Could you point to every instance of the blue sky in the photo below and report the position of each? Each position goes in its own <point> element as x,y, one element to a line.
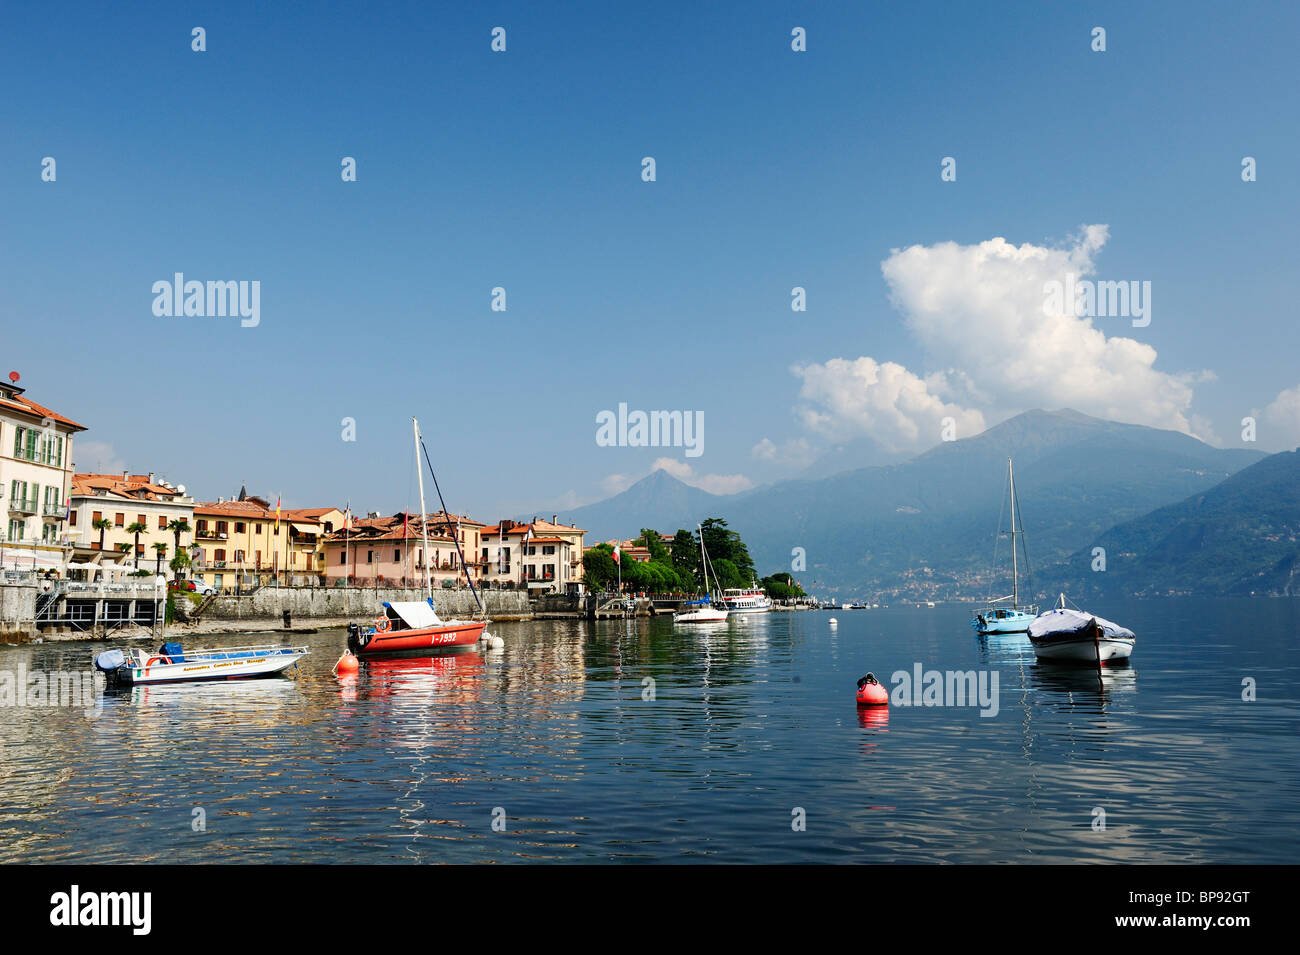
<point>523,170</point>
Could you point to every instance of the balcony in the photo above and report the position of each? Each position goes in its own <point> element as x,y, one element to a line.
<point>210,535</point>
<point>54,512</point>
<point>24,505</point>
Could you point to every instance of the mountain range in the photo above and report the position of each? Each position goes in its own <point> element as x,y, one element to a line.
<point>927,527</point>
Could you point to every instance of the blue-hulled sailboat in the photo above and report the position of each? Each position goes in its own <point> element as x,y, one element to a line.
<point>1004,614</point>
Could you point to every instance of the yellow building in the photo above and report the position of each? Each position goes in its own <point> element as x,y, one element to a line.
<point>118,502</point>
<point>245,543</point>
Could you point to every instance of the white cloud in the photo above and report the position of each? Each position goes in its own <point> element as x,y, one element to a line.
<point>713,483</point>
<point>980,308</point>
<point>844,399</point>
<point>96,457</point>
<point>1282,420</point>
<point>796,453</point>
<point>978,311</point>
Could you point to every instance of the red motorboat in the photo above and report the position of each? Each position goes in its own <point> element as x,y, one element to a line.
<point>412,625</point>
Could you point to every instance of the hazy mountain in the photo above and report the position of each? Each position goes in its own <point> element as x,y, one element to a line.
<point>1242,536</point>
<point>658,501</point>
<point>927,526</point>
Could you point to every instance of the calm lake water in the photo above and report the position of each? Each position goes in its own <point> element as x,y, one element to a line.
<point>750,721</point>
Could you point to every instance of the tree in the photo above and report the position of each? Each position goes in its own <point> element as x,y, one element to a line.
<point>598,567</point>
<point>178,563</point>
<point>160,549</point>
<point>178,526</point>
<point>685,554</point>
<point>137,529</point>
<point>102,525</point>
<point>781,586</point>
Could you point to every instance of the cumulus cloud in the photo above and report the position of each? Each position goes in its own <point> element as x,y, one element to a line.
<point>613,484</point>
<point>797,452</point>
<point>843,399</point>
<point>981,308</point>
<point>1282,420</point>
<point>713,483</point>
<point>984,320</point>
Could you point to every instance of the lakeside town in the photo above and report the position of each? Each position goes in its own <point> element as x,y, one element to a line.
<point>79,532</point>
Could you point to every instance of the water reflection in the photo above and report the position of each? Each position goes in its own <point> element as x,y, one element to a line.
<point>635,739</point>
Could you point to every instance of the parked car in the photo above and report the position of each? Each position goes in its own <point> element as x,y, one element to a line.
<point>193,586</point>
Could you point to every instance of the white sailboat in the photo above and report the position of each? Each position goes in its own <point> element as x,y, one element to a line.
<point>1004,614</point>
<point>702,610</point>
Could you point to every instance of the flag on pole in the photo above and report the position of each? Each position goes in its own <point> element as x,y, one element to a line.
<point>617,553</point>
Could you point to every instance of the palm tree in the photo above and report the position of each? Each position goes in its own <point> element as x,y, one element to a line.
<point>178,527</point>
<point>160,549</point>
<point>102,525</point>
<point>137,529</point>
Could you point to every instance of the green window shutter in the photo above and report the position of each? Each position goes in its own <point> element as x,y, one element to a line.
<point>18,441</point>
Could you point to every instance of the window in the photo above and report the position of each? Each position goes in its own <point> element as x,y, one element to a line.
<point>219,554</point>
<point>397,555</point>
<point>162,522</point>
<point>139,519</point>
<point>72,518</point>
<point>223,527</point>
<point>257,528</point>
<point>119,520</point>
<point>97,516</point>
<point>343,557</point>
<point>370,556</point>
<point>548,550</point>
<point>239,527</point>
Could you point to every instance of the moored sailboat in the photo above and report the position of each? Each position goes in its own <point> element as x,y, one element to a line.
<point>1000,616</point>
<point>415,625</point>
<point>702,610</point>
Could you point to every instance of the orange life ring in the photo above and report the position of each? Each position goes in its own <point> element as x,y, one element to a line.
<point>153,660</point>
<point>382,625</point>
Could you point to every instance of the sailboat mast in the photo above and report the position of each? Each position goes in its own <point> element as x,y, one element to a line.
<point>704,559</point>
<point>1015,577</point>
<point>424,525</point>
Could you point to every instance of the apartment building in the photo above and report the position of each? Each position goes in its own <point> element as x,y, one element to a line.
<point>35,478</point>
<point>134,519</point>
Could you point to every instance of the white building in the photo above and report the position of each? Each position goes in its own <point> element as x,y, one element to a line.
<point>125,500</point>
<point>35,478</point>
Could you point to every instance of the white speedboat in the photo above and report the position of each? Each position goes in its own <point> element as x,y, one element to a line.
<point>172,664</point>
<point>1065,635</point>
<point>746,600</point>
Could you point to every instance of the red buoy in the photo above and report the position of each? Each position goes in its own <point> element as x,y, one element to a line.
<point>347,664</point>
<point>872,694</point>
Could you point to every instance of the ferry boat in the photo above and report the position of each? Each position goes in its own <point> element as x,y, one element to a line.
<point>1000,617</point>
<point>1062,635</point>
<point>172,664</point>
<point>415,625</point>
<point>746,600</point>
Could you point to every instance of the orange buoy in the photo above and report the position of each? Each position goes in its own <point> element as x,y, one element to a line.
<point>347,664</point>
<point>871,693</point>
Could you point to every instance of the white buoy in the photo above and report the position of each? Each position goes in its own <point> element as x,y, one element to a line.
<point>498,643</point>
<point>834,622</point>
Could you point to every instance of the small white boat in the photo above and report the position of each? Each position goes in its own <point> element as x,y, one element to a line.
<point>172,664</point>
<point>1064,635</point>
